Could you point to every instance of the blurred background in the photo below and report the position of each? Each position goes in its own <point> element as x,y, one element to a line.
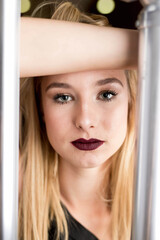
<point>120,14</point>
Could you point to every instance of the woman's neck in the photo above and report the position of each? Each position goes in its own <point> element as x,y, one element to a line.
<point>82,194</point>
<point>82,186</point>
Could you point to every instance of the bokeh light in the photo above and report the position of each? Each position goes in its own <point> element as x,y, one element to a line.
<point>25,6</point>
<point>105,6</point>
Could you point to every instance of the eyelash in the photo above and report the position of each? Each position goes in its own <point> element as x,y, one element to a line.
<point>108,92</point>
<point>58,97</point>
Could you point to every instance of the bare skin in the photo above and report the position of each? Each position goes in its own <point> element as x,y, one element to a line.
<point>81,193</point>
<point>53,47</point>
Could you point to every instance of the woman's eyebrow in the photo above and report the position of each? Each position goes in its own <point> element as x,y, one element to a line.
<point>57,85</point>
<point>108,80</point>
<point>98,83</point>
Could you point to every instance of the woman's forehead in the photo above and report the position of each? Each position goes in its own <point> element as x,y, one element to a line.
<point>86,76</point>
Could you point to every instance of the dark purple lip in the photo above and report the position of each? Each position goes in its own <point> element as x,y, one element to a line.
<point>87,145</point>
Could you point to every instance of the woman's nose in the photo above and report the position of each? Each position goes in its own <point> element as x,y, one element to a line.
<point>85,117</point>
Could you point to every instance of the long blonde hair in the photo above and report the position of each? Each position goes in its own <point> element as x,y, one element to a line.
<point>39,201</point>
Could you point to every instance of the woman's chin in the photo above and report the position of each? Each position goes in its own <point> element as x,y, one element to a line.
<point>92,162</point>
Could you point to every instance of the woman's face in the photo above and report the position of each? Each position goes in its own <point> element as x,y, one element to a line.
<point>85,115</point>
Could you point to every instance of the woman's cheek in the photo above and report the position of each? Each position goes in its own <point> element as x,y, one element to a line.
<point>115,121</point>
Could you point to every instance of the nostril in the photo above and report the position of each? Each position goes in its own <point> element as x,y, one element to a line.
<point>78,126</point>
<point>83,126</point>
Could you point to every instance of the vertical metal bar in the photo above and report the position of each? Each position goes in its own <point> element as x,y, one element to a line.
<point>146,211</point>
<point>9,109</point>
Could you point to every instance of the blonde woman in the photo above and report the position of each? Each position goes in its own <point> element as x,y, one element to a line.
<point>77,131</point>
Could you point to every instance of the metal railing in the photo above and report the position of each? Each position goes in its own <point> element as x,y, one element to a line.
<point>9,112</point>
<point>146,211</point>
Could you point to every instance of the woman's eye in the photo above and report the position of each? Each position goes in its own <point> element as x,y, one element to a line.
<point>107,95</point>
<point>62,98</point>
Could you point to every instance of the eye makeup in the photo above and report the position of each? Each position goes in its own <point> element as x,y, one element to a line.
<point>62,98</point>
<point>107,95</point>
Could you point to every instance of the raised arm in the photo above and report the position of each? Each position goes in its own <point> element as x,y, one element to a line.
<point>51,47</point>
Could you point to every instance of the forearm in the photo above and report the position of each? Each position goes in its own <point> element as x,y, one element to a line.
<point>51,47</point>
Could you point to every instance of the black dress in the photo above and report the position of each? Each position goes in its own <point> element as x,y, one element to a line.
<point>75,229</point>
